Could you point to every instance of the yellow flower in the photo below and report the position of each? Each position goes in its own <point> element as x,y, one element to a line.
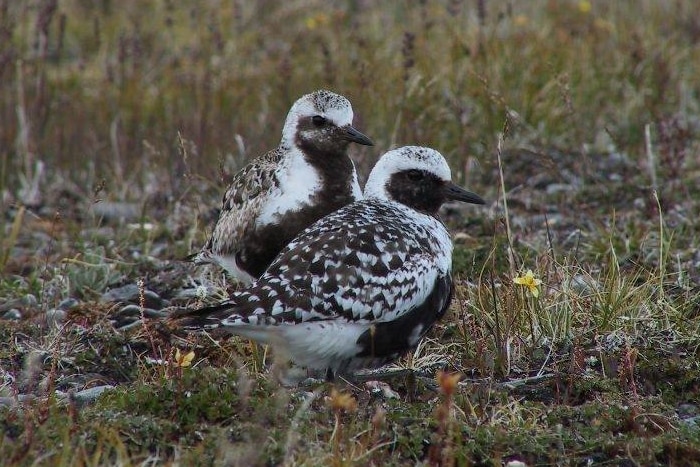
<point>318,20</point>
<point>183,361</point>
<point>584,6</point>
<point>530,281</point>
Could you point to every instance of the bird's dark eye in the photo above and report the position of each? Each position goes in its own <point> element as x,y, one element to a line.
<point>414,175</point>
<point>318,120</point>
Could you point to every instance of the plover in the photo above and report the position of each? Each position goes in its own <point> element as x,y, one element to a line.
<point>364,284</point>
<point>284,191</point>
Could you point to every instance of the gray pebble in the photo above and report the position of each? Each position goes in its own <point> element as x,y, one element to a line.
<point>688,410</point>
<point>135,310</point>
<point>129,326</point>
<point>90,395</point>
<point>153,300</point>
<point>130,310</point>
<point>130,316</point>
<point>130,293</point>
<point>184,294</point>
<point>692,422</point>
<point>8,305</point>
<point>13,314</point>
<point>555,188</point>
<point>125,293</point>
<point>55,317</point>
<point>68,304</point>
<point>194,292</point>
<point>28,301</point>
<point>155,314</point>
<point>583,284</point>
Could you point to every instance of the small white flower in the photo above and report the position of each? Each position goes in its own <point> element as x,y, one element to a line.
<point>591,360</point>
<point>201,292</point>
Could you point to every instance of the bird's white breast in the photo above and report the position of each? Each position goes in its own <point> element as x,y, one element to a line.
<point>298,183</point>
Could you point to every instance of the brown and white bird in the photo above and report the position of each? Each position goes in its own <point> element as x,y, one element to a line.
<point>281,193</point>
<point>361,286</point>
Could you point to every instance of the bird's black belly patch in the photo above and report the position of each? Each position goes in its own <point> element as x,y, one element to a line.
<point>385,339</point>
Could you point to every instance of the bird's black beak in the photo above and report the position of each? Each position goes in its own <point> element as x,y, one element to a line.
<point>458,193</point>
<point>356,137</point>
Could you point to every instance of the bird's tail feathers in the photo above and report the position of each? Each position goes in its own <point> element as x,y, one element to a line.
<point>208,317</point>
<point>201,257</point>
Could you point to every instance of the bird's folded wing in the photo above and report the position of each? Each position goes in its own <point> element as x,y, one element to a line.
<point>242,202</point>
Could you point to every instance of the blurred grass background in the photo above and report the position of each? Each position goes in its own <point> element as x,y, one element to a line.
<point>101,89</point>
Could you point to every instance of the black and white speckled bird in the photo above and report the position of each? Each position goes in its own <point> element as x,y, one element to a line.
<point>279,194</point>
<point>361,286</point>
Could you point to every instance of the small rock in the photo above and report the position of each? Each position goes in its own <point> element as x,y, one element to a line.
<point>55,317</point>
<point>8,305</point>
<point>79,381</point>
<point>125,293</point>
<point>155,314</point>
<point>554,188</point>
<point>28,301</point>
<point>153,300</point>
<point>583,285</point>
<point>136,311</point>
<point>13,314</point>
<point>688,410</point>
<point>692,422</point>
<point>116,212</point>
<point>127,326</point>
<point>130,316</point>
<point>88,396</point>
<point>126,316</point>
<point>191,292</point>
<point>130,293</point>
<point>68,304</point>
<point>129,310</point>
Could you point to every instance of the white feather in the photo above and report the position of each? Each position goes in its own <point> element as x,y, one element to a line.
<point>298,183</point>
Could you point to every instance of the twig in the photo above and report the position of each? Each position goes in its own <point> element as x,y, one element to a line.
<point>530,379</point>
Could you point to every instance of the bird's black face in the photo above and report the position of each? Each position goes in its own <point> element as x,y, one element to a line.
<point>319,135</point>
<point>425,191</point>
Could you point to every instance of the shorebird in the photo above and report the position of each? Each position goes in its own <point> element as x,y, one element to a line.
<point>361,286</point>
<point>284,191</point>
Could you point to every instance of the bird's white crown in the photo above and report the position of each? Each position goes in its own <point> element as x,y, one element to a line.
<point>329,105</point>
<point>402,159</point>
